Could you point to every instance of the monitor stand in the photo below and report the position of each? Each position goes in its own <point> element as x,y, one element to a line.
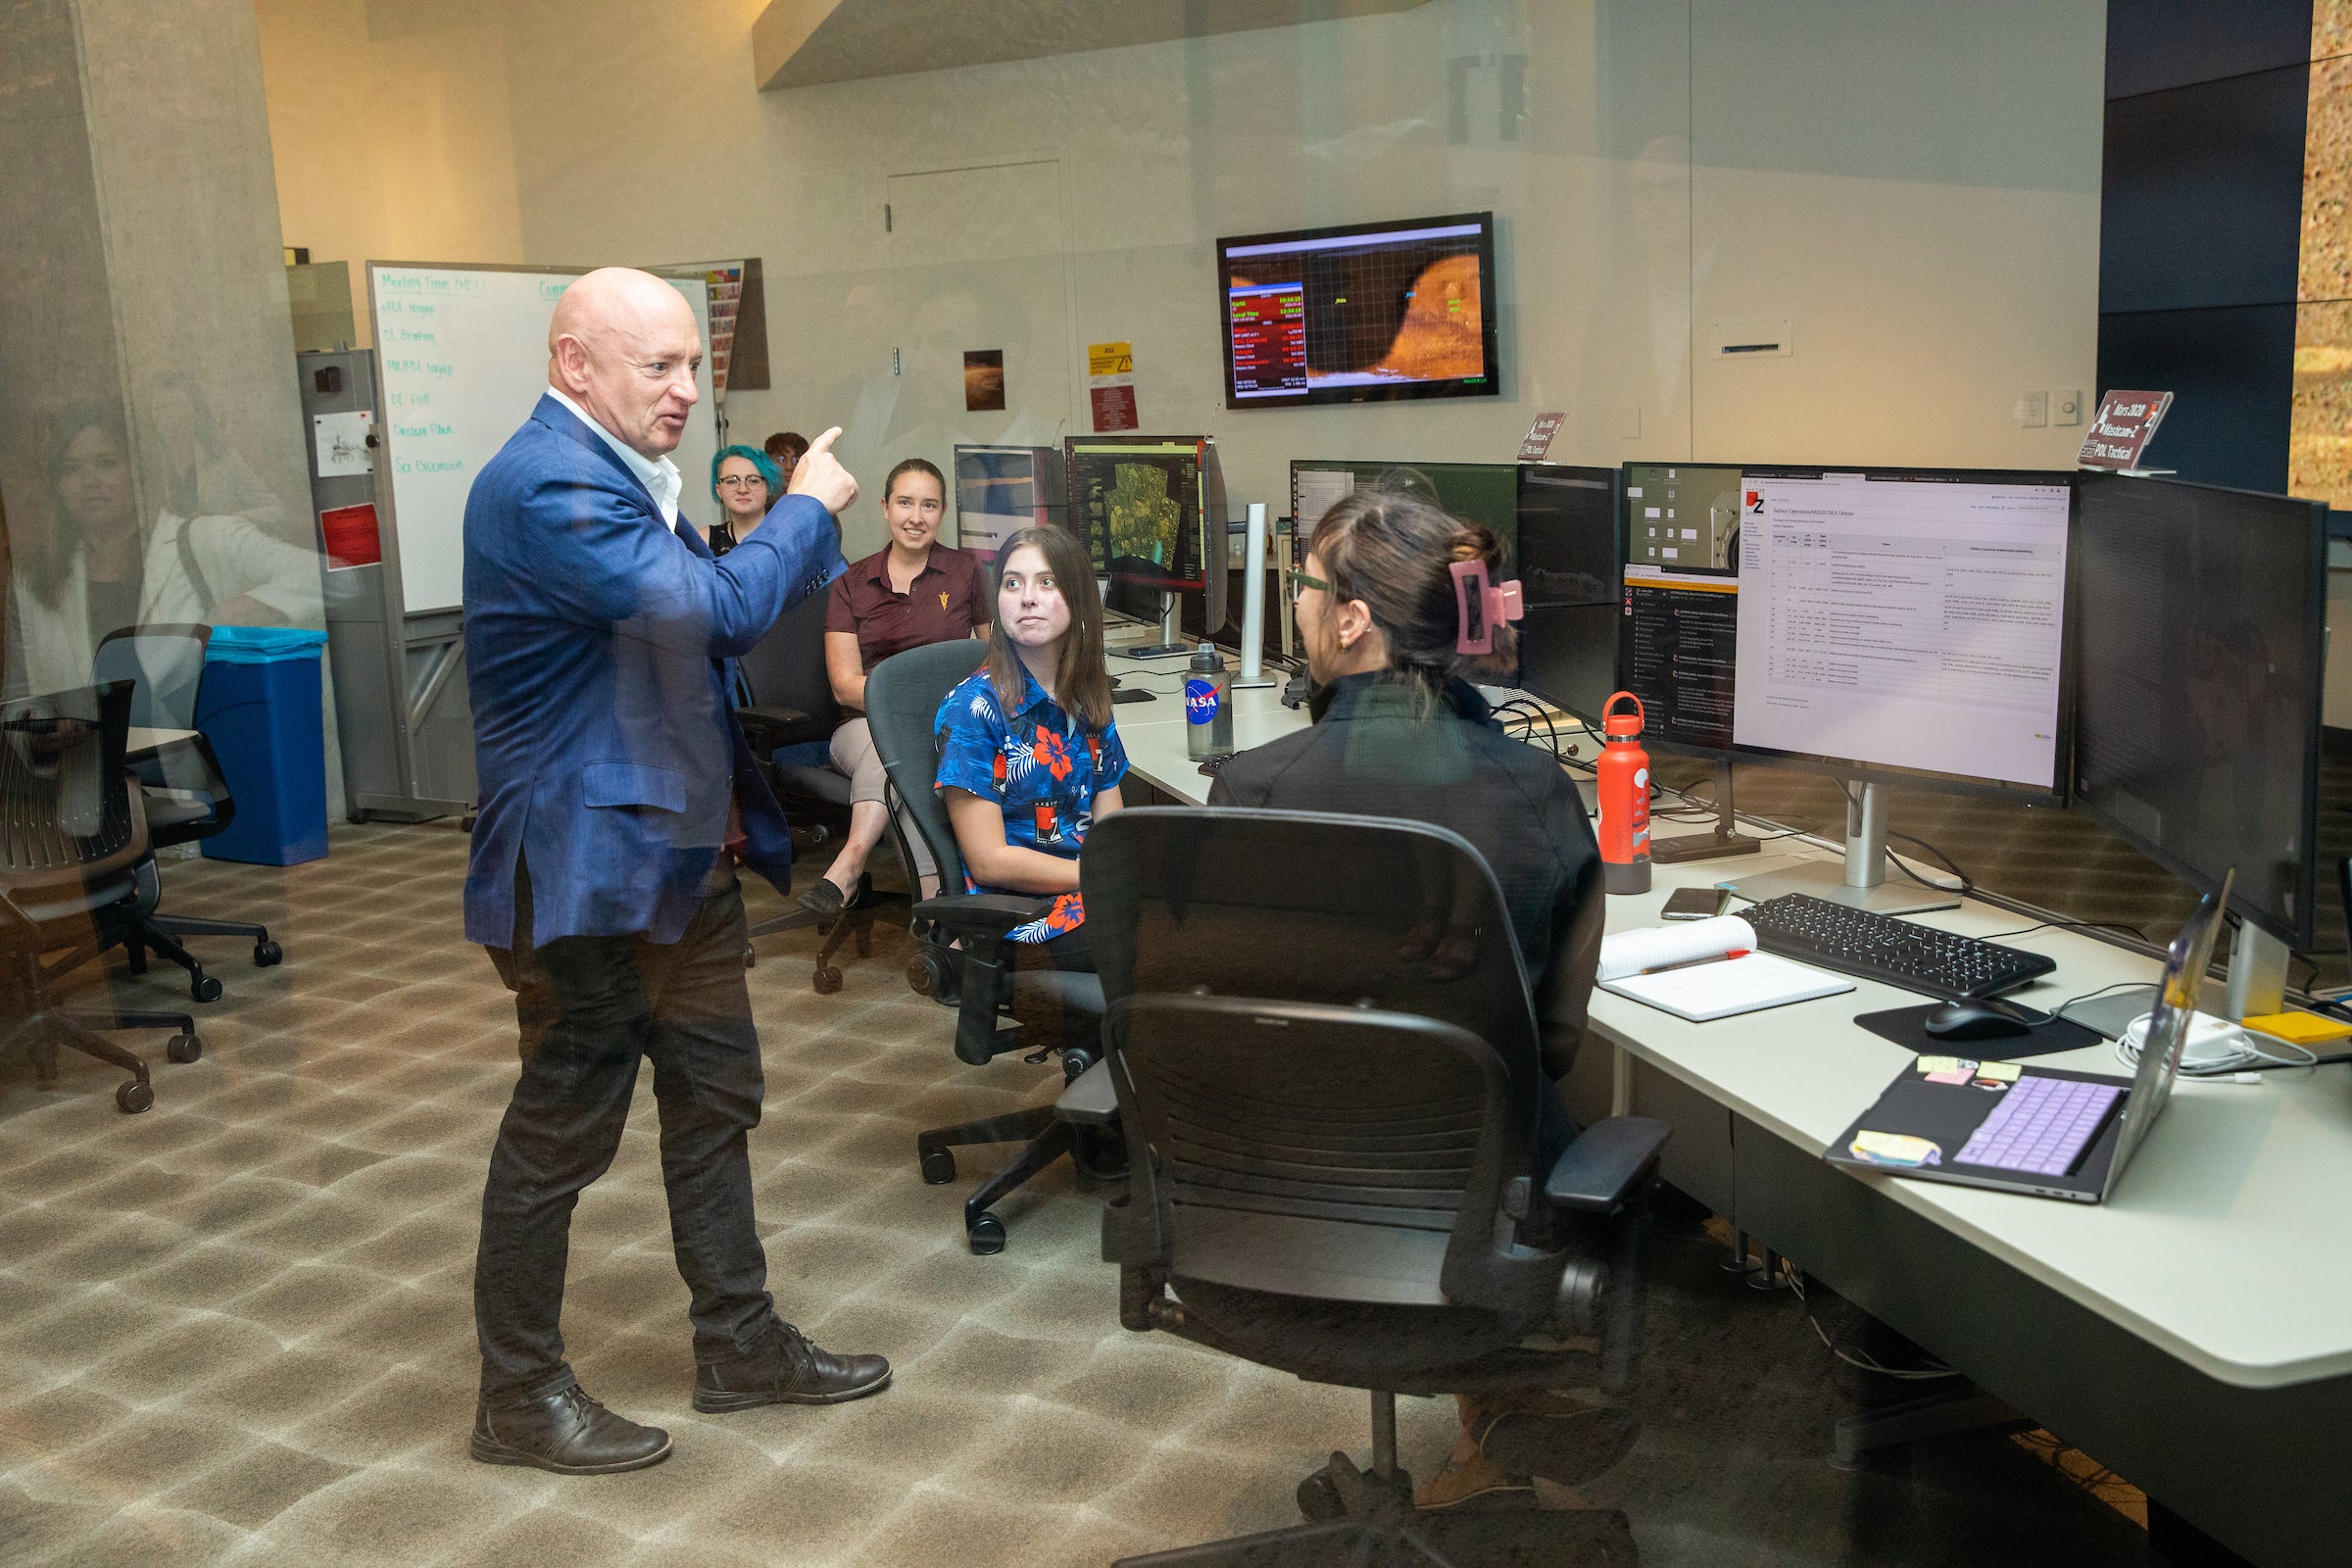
<point>1862,883</point>
<point>1707,846</point>
<point>2256,987</point>
<point>1170,644</point>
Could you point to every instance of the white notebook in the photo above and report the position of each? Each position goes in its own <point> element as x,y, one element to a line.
<point>1686,971</point>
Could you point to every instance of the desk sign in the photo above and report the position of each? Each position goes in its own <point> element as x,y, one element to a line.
<point>2126,424</point>
<point>1538,437</point>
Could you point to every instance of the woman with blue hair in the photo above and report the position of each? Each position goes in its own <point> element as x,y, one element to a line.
<point>747,482</point>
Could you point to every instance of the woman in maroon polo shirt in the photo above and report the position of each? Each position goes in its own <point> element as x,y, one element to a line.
<point>914,592</point>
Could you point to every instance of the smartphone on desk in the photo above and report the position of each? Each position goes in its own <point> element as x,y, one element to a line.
<point>1695,904</point>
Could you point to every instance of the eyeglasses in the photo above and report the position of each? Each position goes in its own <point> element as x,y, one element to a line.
<point>1301,582</point>
<point>741,481</point>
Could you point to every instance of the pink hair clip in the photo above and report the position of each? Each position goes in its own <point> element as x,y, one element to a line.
<point>1480,603</point>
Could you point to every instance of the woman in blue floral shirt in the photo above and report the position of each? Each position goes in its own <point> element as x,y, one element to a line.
<point>1028,754</point>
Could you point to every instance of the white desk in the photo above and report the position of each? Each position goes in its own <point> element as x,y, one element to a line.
<point>2196,1334</point>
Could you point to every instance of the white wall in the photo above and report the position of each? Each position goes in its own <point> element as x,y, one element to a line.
<point>1914,186</point>
<point>390,128</point>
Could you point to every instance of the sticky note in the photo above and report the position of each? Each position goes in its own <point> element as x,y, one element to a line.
<point>1945,1064</point>
<point>1897,1149</point>
<point>2303,1028</point>
<point>1957,1075</point>
<point>2002,1071</point>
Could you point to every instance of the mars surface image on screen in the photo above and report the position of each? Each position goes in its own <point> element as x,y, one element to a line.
<point>1361,313</point>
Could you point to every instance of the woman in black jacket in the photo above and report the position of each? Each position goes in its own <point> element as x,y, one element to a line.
<point>1400,731</point>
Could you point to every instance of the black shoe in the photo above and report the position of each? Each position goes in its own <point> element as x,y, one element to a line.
<point>566,1432</point>
<point>822,898</point>
<point>789,1371</point>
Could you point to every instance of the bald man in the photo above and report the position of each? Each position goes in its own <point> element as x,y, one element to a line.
<point>618,799</point>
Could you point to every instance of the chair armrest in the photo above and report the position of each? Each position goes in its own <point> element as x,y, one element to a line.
<point>1606,1165</point>
<point>983,912</point>
<point>1090,1099</point>
<point>770,729</point>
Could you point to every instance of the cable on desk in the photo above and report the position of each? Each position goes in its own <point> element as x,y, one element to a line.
<point>2102,925</point>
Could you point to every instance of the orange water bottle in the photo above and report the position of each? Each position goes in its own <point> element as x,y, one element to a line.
<point>1623,774</point>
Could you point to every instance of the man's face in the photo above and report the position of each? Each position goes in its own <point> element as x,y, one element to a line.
<point>640,377</point>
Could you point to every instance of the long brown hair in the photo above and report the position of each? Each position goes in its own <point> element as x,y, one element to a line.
<point>1081,680</point>
<point>1391,549</point>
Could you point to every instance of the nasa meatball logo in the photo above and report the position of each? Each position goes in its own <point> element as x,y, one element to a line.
<point>1200,702</point>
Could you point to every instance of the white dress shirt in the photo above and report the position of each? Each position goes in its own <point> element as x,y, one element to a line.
<point>660,475</point>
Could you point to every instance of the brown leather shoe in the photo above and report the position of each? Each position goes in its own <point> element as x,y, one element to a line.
<point>566,1432</point>
<point>789,1370</point>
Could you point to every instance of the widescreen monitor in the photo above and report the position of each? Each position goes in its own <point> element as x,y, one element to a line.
<point>1361,313</point>
<point>2201,618</point>
<point>1569,568</point>
<point>1904,625</point>
<point>1484,493</point>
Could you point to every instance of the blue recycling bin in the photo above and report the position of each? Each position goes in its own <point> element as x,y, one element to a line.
<point>259,708</point>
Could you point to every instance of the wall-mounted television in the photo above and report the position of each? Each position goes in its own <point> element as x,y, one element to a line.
<point>1361,313</point>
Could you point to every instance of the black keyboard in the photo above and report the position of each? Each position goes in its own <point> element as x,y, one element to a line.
<point>1880,946</point>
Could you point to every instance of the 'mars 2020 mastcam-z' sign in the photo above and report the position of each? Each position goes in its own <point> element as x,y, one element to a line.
<point>2126,423</point>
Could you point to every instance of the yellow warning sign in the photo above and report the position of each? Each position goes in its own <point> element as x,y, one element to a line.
<point>1109,358</point>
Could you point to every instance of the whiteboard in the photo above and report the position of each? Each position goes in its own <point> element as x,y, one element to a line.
<point>461,355</point>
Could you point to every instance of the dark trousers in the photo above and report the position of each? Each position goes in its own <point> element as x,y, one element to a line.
<point>590,1009</point>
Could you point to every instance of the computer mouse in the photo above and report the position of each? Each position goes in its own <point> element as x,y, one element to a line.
<point>1976,1018</point>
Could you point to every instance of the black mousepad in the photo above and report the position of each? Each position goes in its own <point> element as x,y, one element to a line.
<point>1903,1026</point>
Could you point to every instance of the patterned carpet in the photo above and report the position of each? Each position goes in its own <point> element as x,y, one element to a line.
<point>237,1329</point>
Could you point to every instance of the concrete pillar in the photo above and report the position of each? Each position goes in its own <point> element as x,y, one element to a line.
<point>146,351</point>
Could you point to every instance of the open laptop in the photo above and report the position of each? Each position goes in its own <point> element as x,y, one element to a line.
<point>2038,1130</point>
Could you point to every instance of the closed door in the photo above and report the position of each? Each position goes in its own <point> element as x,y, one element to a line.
<point>978,262</point>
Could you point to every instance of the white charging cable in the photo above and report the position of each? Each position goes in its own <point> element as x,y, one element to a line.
<point>2214,1047</point>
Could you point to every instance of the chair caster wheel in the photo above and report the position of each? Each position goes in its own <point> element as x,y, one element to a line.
<point>827,981</point>
<point>751,957</point>
<point>268,954</point>
<point>938,1166</point>
<point>135,1096</point>
<point>184,1049</point>
<point>986,1236</point>
<point>203,987</point>
<point>932,975</point>
<point>1319,1498</point>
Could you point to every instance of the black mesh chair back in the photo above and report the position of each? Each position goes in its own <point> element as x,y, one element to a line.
<point>902,694</point>
<point>1321,1026</point>
<point>1310,907</point>
<point>65,801</point>
<point>786,668</point>
<point>167,665</point>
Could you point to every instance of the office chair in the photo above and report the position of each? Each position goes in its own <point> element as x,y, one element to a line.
<point>184,795</point>
<point>1346,1159</point>
<point>903,696</point>
<point>784,704</point>
<point>71,835</point>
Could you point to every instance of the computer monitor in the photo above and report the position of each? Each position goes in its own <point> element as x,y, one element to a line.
<point>1484,493</point>
<point>1360,313</point>
<point>2201,616</point>
<point>1881,625</point>
<point>1152,509</point>
<point>1002,490</point>
<point>1569,568</point>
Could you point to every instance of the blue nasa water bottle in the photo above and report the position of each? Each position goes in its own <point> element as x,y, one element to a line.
<point>1208,706</point>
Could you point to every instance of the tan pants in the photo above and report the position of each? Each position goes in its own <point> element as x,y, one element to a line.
<point>855,760</point>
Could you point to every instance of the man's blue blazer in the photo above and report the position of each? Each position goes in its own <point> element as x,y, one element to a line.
<point>600,649</point>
